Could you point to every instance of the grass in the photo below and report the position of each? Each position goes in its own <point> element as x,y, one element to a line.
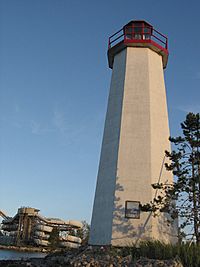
<point>189,255</point>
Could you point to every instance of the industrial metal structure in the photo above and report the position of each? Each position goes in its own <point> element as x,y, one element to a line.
<point>29,227</point>
<point>134,142</point>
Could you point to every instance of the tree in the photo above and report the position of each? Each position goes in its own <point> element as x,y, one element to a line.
<point>83,233</point>
<point>54,238</point>
<point>182,198</point>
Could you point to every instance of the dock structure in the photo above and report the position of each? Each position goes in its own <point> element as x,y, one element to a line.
<point>29,227</point>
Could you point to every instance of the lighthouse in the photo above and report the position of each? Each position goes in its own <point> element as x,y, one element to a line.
<point>135,138</point>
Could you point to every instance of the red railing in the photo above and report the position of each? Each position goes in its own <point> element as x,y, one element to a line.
<point>138,34</point>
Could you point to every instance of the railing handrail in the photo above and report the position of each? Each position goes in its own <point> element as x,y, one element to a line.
<point>116,38</point>
<point>153,33</point>
<point>116,33</point>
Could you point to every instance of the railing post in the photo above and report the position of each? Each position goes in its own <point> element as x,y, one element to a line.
<point>143,31</point>
<point>132,33</point>
<point>166,46</point>
<point>109,43</point>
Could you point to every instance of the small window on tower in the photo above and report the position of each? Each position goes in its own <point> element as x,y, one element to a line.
<point>147,33</point>
<point>132,209</point>
<point>129,32</point>
<point>138,30</point>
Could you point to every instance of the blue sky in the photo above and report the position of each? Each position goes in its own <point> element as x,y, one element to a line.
<point>54,84</point>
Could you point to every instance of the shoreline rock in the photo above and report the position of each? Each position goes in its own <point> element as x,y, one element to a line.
<point>118,262</point>
<point>24,249</point>
<point>90,257</point>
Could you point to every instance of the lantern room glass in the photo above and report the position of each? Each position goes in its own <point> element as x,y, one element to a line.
<point>138,31</point>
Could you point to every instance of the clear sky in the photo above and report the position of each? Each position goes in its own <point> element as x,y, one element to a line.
<point>54,85</point>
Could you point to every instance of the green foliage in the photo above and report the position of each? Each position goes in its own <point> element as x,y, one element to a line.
<point>54,238</point>
<point>189,255</point>
<point>181,199</point>
<point>83,233</point>
<point>156,250</point>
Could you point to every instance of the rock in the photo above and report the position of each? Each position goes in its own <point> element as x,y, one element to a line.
<point>94,257</point>
<point>144,262</point>
<point>107,257</point>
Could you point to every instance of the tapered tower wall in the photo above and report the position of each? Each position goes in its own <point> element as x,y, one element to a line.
<point>159,143</point>
<point>135,138</point>
<point>134,158</point>
<point>102,217</point>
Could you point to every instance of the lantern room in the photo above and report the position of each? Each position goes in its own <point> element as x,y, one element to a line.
<point>138,33</point>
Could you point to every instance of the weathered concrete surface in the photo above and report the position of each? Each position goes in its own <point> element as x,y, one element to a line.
<point>101,230</point>
<point>135,138</point>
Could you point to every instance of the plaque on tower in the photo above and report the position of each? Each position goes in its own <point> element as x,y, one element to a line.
<point>132,209</point>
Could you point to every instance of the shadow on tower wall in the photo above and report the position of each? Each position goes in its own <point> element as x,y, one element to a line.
<point>126,231</point>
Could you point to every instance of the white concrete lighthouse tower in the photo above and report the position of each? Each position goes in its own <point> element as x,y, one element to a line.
<point>135,137</point>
